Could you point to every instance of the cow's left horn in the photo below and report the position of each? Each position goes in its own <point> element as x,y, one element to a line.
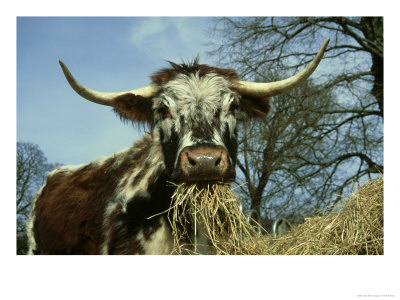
<point>102,97</point>
<point>258,89</point>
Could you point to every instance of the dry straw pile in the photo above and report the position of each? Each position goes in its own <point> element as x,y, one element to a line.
<point>354,226</point>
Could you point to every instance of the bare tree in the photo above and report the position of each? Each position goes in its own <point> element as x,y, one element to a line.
<point>321,137</point>
<point>277,181</point>
<point>32,166</point>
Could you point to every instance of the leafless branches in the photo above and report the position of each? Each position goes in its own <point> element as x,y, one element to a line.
<point>326,134</point>
<point>31,173</point>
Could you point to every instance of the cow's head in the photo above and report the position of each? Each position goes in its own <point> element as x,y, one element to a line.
<point>195,108</point>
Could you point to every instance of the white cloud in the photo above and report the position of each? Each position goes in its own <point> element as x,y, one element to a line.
<point>171,38</point>
<point>147,28</point>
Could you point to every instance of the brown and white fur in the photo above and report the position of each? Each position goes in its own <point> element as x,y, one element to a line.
<point>103,207</point>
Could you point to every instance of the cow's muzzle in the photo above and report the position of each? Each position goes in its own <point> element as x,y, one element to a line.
<point>203,163</point>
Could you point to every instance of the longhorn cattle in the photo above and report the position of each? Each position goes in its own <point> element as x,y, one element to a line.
<point>280,227</point>
<point>192,109</point>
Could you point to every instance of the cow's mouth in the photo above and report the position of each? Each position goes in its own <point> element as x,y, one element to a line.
<point>207,219</point>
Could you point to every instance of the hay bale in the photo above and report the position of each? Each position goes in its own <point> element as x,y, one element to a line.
<point>353,226</point>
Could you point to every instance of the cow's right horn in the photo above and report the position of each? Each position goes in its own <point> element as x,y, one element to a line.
<point>102,97</point>
<point>266,89</point>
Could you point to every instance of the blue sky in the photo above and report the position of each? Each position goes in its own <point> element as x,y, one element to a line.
<point>107,54</point>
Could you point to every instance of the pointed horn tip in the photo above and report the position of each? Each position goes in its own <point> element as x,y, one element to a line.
<point>325,44</point>
<point>63,66</point>
<point>247,87</point>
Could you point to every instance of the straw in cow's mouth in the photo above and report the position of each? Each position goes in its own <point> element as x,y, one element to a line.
<point>207,219</point>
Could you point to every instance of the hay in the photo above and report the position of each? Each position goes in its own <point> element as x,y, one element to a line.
<point>212,212</point>
<point>354,226</point>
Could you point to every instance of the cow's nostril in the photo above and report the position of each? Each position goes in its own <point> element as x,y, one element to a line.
<point>202,163</point>
<point>191,160</point>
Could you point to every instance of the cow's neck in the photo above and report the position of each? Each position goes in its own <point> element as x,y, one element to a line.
<point>142,192</point>
<point>146,172</point>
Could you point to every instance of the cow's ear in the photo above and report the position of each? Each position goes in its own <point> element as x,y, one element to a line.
<point>134,108</point>
<point>254,107</point>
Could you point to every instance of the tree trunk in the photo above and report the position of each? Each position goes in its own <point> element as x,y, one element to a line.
<point>373,31</point>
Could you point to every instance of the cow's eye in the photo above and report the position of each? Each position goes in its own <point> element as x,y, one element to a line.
<point>233,107</point>
<point>164,111</point>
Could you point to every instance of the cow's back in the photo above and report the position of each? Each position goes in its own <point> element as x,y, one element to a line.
<point>89,208</point>
<point>68,211</point>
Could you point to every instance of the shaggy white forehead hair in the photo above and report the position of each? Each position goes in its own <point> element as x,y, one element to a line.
<point>197,98</point>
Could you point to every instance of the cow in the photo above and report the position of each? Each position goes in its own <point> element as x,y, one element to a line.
<point>280,227</point>
<point>105,206</point>
<point>263,225</point>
